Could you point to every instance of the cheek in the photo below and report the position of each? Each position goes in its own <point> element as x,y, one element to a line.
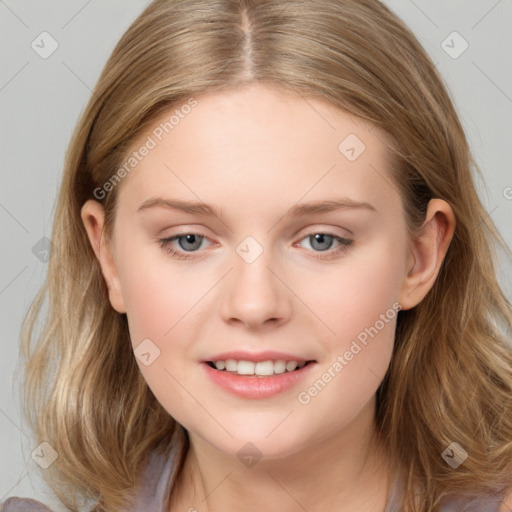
<point>358,307</point>
<point>351,296</point>
<point>157,293</point>
<point>159,298</point>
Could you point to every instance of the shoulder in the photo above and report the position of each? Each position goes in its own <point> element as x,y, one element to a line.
<point>484,504</point>
<point>16,504</point>
<point>456,503</point>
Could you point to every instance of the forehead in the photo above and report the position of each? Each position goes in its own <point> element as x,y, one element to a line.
<point>259,147</point>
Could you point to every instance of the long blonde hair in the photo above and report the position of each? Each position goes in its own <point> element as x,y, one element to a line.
<point>450,377</point>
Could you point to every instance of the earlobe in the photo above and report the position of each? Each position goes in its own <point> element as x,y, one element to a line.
<point>427,253</point>
<point>93,218</point>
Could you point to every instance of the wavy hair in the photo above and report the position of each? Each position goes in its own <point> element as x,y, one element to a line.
<point>450,376</point>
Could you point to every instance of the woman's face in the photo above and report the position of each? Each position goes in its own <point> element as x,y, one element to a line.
<point>254,277</point>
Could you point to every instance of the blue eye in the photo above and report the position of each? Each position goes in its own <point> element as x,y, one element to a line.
<point>320,241</point>
<point>190,239</point>
<point>324,241</point>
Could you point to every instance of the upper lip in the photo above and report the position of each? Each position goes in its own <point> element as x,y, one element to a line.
<point>267,355</point>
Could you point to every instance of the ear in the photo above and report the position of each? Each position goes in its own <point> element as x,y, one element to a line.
<point>427,252</point>
<point>93,217</point>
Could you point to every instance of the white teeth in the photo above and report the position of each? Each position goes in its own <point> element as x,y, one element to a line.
<point>280,366</point>
<point>245,368</point>
<point>259,368</point>
<point>263,368</point>
<point>231,365</point>
<point>291,365</point>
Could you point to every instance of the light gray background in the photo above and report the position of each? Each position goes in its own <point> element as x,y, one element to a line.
<point>41,100</point>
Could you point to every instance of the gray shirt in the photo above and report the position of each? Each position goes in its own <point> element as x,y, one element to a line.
<point>154,489</point>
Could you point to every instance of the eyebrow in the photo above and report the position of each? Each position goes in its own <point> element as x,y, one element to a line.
<point>298,210</point>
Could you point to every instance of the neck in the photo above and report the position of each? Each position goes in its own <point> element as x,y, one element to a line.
<point>348,470</point>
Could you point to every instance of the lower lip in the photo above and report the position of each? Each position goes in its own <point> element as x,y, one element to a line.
<point>257,387</point>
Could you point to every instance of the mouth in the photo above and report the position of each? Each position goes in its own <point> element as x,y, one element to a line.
<point>258,369</point>
<point>257,380</point>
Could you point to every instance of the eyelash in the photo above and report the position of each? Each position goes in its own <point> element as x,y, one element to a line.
<point>346,243</point>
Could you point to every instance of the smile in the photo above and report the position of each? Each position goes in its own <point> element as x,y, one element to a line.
<point>252,385</point>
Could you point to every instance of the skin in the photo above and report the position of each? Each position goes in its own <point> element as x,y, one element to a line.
<point>255,152</point>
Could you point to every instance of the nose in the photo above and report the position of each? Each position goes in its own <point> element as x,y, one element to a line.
<point>254,294</point>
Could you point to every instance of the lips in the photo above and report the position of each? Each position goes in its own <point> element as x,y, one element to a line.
<point>255,386</point>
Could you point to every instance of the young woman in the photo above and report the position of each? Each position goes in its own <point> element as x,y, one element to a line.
<point>273,286</point>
